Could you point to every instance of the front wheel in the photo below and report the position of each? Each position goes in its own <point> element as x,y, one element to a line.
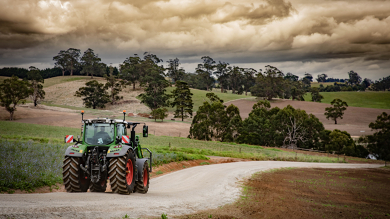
<point>122,173</point>
<point>142,185</point>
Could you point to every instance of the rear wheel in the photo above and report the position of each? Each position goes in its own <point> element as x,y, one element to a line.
<point>73,177</point>
<point>142,185</point>
<point>122,173</point>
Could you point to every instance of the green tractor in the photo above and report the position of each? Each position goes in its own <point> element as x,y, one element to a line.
<point>105,151</point>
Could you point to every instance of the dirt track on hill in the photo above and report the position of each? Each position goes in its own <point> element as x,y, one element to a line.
<point>355,120</point>
<point>181,192</point>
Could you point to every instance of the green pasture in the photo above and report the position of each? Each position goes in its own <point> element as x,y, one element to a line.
<point>367,99</point>
<point>178,145</point>
<point>199,96</point>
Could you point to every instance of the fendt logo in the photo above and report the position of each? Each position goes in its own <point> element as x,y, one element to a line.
<point>69,139</point>
<point>125,139</point>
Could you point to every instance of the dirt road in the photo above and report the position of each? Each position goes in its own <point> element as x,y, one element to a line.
<point>181,192</point>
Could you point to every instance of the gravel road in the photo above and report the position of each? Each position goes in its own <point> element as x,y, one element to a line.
<point>180,192</point>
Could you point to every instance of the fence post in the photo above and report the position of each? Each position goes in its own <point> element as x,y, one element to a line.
<point>240,150</point>
<point>296,155</point>
<point>169,144</point>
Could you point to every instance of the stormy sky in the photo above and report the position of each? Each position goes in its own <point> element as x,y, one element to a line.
<point>297,36</point>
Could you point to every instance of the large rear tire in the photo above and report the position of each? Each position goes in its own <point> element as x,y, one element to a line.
<point>73,177</point>
<point>122,173</point>
<point>142,185</point>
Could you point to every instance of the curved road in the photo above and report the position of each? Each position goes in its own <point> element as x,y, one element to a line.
<point>180,192</point>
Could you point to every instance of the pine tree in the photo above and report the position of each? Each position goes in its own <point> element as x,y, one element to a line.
<point>183,100</point>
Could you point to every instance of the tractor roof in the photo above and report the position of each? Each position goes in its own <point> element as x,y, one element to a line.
<point>104,120</point>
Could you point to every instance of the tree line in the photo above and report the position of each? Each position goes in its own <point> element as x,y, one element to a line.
<point>287,127</point>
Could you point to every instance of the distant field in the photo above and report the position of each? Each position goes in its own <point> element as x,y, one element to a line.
<point>316,84</point>
<point>2,78</point>
<point>379,100</point>
<point>200,96</point>
<point>62,79</point>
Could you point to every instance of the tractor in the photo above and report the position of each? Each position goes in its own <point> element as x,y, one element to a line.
<point>106,152</point>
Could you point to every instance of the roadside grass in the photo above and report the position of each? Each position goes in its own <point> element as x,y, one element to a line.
<point>368,99</point>
<point>310,193</point>
<point>199,96</point>
<point>62,79</point>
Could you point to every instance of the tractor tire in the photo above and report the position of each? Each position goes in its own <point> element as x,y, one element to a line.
<point>142,185</point>
<point>122,172</point>
<point>73,177</point>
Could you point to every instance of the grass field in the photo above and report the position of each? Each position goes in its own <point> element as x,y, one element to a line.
<point>379,100</point>
<point>199,96</point>
<point>62,79</point>
<point>316,84</point>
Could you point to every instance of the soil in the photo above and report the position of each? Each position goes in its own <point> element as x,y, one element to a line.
<point>311,193</point>
<point>355,120</point>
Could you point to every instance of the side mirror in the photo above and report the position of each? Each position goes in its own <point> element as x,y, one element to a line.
<point>145,131</point>
<point>69,139</point>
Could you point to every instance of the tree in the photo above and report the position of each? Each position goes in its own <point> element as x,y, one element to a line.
<point>206,70</point>
<point>215,121</point>
<point>339,140</point>
<point>155,93</point>
<point>354,78</point>
<point>174,71</point>
<point>72,59</point>
<point>379,142</point>
<point>321,77</point>
<point>160,113</point>
<point>36,79</point>
<point>61,61</point>
<point>130,69</point>
<point>315,95</point>
<point>235,78</point>
<point>222,73</point>
<point>12,92</point>
<point>91,64</point>
<point>94,93</point>
<point>366,83</point>
<point>115,85</point>
<point>249,79</point>
<point>307,80</point>
<point>182,100</point>
<point>269,84</point>
<point>337,111</point>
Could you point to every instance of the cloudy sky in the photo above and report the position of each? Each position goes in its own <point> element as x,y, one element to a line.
<point>297,36</point>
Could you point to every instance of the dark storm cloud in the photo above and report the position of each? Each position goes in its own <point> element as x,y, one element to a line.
<point>245,31</point>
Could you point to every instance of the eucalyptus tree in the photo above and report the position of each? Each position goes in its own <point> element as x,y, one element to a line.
<point>115,85</point>
<point>130,69</point>
<point>206,70</point>
<point>72,59</point>
<point>174,71</point>
<point>222,69</point>
<point>269,84</point>
<point>61,61</point>
<point>12,92</point>
<point>91,63</point>
<point>35,79</point>
<point>337,111</point>
<point>235,78</point>
<point>182,100</point>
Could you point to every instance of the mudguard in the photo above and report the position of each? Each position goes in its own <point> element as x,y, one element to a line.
<point>73,152</point>
<point>118,152</point>
<point>140,167</point>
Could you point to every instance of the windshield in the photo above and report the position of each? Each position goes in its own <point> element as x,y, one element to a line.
<point>99,133</point>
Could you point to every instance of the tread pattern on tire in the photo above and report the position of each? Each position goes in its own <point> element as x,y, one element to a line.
<point>139,185</point>
<point>71,174</point>
<point>117,174</point>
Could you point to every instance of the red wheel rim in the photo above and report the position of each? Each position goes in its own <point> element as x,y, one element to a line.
<point>129,172</point>
<point>145,177</point>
